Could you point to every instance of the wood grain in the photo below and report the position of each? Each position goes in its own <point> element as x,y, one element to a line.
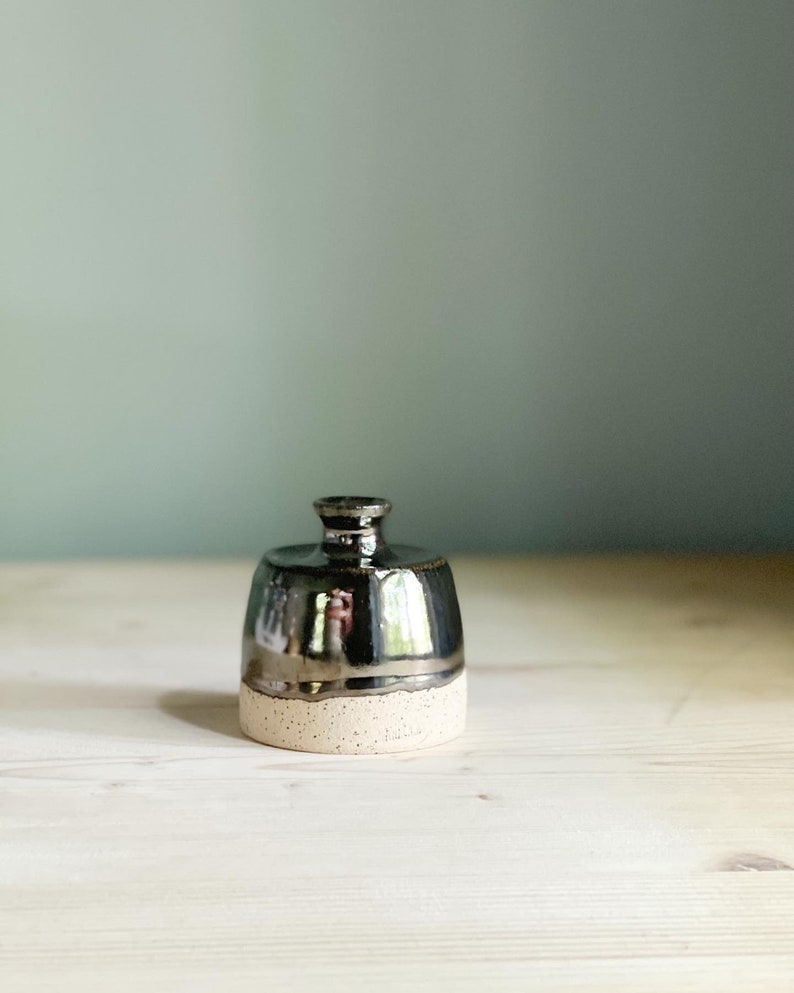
<point>618,816</point>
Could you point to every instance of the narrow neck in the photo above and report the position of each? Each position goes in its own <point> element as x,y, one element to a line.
<point>351,525</point>
<point>352,539</point>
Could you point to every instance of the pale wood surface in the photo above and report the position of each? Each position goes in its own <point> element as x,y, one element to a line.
<point>619,815</point>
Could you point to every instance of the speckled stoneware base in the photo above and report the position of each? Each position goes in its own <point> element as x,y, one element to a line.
<point>385,722</point>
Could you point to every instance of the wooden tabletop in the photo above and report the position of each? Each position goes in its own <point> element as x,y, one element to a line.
<point>619,815</point>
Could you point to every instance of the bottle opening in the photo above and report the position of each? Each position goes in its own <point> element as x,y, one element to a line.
<point>352,506</point>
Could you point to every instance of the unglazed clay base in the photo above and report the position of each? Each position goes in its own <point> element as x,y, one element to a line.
<point>384,722</point>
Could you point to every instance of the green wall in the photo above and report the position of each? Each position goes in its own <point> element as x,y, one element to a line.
<point>522,267</point>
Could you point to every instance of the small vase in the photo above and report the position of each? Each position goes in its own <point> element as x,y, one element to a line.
<point>352,645</point>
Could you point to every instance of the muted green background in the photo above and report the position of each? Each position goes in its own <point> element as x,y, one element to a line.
<point>521,266</point>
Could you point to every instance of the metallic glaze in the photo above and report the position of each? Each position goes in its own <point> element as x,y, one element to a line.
<point>351,615</point>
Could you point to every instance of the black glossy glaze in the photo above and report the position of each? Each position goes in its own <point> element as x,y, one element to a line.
<point>351,614</point>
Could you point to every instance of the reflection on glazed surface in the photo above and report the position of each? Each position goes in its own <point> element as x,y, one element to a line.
<point>405,624</point>
<point>381,629</point>
<point>351,614</point>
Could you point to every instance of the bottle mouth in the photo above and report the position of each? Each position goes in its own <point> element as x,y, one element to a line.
<point>351,507</point>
